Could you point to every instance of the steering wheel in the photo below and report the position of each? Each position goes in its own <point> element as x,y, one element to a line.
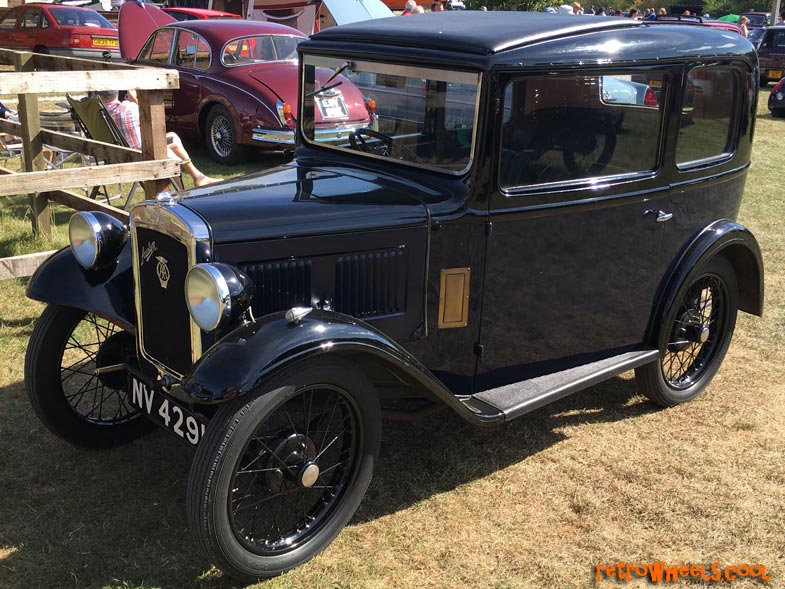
<point>388,146</point>
<point>229,58</point>
<point>358,142</point>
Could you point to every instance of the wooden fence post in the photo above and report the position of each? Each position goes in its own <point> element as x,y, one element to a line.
<point>32,147</point>
<point>153,127</point>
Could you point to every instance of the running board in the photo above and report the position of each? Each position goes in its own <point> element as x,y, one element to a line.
<point>513,400</point>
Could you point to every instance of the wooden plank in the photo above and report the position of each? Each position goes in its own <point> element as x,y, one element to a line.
<point>66,81</point>
<point>83,203</point>
<point>90,176</point>
<point>98,149</point>
<point>22,266</point>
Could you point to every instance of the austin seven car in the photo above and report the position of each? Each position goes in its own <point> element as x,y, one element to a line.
<point>536,204</point>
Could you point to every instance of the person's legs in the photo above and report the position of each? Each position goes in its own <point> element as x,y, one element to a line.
<point>177,150</point>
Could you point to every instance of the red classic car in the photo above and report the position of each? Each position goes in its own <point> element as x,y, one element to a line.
<point>238,82</point>
<point>60,30</point>
<point>184,13</point>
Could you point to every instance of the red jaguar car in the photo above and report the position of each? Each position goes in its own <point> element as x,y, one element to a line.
<point>186,13</point>
<point>238,82</point>
<point>60,30</point>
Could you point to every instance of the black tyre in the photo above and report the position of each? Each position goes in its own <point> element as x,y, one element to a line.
<point>81,407</point>
<point>588,150</point>
<point>41,49</point>
<point>694,337</point>
<point>221,138</point>
<point>281,471</point>
<point>778,113</point>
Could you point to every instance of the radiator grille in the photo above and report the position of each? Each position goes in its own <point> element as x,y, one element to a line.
<point>166,323</point>
<point>371,284</point>
<point>279,285</point>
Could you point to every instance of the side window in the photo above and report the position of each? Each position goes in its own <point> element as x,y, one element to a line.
<point>707,115</point>
<point>29,19</point>
<point>567,127</point>
<point>9,21</point>
<point>192,51</point>
<point>158,48</point>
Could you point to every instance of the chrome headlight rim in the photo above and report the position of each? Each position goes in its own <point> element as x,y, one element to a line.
<point>96,239</point>
<point>232,291</point>
<point>209,319</point>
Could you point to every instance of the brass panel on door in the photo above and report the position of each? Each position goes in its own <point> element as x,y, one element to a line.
<point>454,297</point>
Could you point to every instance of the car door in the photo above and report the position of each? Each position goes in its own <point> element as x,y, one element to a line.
<point>8,29</point>
<point>191,57</point>
<point>573,257</point>
<point>25,36</point>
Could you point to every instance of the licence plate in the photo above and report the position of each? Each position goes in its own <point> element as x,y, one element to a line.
<point>775,73</point>
<point>104,42</point>
<point>167,412</point>
<point>655,83</point>
<point>332,107</point>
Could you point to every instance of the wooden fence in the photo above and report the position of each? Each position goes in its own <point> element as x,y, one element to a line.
<point>35,74</point>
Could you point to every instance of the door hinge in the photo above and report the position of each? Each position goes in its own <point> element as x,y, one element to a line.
<point>488,228</point>
<point>478,348</point>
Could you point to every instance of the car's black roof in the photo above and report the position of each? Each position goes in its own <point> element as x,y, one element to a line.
<point>476,32</point>
<point>498,39</point>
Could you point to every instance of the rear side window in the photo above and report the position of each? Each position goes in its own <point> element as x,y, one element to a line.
<point>774,40</point>
<point>9,21</point>
<point>192,51</point>
<point>568,127</point>
<point>707,119</point>
<point>29,19</point>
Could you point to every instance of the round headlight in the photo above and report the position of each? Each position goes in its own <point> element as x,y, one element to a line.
<point>96,238</point>
<point>217,295</point>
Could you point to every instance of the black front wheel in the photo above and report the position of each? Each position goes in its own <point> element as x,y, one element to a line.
<point>281,471</point>
<point>694,337</point>
<point>76,380</point>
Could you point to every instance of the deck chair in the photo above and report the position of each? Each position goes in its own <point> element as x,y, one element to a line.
<point>10,148</point>
<point>95,122</point>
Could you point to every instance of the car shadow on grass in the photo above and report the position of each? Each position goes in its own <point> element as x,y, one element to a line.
<point>117,518</point>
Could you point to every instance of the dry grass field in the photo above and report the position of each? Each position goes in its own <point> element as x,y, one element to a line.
<point>602,476</point>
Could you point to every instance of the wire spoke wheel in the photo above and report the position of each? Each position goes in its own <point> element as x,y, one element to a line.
<point>695,333</point>
<point>97,344</point>
<point>222,136</point>
<point>294,470</point>
<point>77,381</point>
<point>694,336</point>
<point>282,469</point>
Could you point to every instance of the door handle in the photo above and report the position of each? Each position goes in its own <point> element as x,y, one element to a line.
<point>660,216</point>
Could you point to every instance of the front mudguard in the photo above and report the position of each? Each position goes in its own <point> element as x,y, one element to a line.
<point>108,292</point>
<point>243,359</point>
<point>722,238</point>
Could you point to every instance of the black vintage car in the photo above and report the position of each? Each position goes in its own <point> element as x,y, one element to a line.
<point>533,221</point>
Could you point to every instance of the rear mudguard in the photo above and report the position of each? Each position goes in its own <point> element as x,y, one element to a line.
<point>242,360</point>
<point>729,240</point>
<point>108,292</point>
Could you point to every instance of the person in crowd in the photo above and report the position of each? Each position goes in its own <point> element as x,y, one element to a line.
<point>743,26</point>
<point>634,13</point>
<point>437,7</point>
<point>6,113</point>
<point>126,114</point>
<point>418,10</point>
<point>409,8</point>
<point>600,11</point>
<point>576,8</point>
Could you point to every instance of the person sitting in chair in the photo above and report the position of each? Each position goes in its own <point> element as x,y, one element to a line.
<point>6,113</point>
<point>126,115</point>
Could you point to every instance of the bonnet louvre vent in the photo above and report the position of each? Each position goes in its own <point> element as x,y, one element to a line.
<point>372,283</point>
<point>279,285</point>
